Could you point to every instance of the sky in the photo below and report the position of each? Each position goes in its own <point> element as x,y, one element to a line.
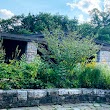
<point>72,8</point>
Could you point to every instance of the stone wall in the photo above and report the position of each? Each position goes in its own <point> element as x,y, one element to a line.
<point>31,51</point>
<point>22,98</point>
<point>104,57</point>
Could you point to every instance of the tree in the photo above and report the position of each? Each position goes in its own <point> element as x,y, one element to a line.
<point>101,22</point>
<point>44,21</point>
<point>69,49</point>
<point>100,19</point>
<point>86,29</point>
<point>28,22</point>
<point>37,23</point>
<point>66,54</point>
<point>104,34</point>
<point>12,25</point>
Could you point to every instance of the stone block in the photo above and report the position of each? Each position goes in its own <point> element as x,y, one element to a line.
<point>11,93</point>
<point>40,93</point>
<point>44,100</point>
<point>22,103</point>
<point>31,51</point>
<point>31,94</point>
<point>107,92</point>
<point>61,100</point>
<point>99,92</point>
<point>22,95</point>
<point>37,94</point>
<point>63,92</point>
<point>1,95</point>
<point>52,92</point>
<point>34,102</point>
<point>15,99</point>
<point>87,91</point>
<point>74,91</point>
<point>27,97</point>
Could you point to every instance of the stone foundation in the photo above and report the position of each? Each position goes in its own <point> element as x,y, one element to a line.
<point>23,98</point>
<point>104,57</point>
<point>31,51</point>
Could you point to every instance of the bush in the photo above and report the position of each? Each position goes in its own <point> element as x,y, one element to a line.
<point>69,49</point>
<point>20,74</point>
<point>2,52</point>
<point>97,76</point>
<point>65,54</point>
<point>64,65</point>
<point>40,74</point>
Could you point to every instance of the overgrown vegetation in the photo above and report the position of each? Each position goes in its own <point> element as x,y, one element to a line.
<point>64,65</point>
<point>97,28</point>
<point>2,52</point>
<point>65,62</point>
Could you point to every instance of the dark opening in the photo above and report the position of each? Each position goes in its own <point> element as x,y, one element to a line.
<point>10,47</point>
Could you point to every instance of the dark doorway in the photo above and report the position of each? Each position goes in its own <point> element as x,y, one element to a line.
<point>10,47</point>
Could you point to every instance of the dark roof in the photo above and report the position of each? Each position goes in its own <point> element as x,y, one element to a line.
<point>40,38</point>
<point>23,37</point>
<point>104,45</point>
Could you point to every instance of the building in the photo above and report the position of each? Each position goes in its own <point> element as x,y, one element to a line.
<point>104,53</point>
<point>26,44</point>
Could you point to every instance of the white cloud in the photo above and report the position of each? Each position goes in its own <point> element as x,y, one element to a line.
<point>81,18</point>
<point>5,14</point>
<point>106,5</point>
<point>85,5</point>
<point>88,19</point>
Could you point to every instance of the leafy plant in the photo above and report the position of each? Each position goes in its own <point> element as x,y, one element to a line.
<point>2,52</point>
<point>97,76</point>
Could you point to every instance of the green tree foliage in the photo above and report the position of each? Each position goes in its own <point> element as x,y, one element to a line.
<point>69,47</point>
<point>20,74</point>
<point>12,25</point>
<point>37,23</point>
<point>68,66</point>
<point>86,29</point>
<point>65,54</point>
<point>101,22</point>
<point>104,34</point>
<point>31,24</point>
<point>100,19</point>
<point>95,77</point>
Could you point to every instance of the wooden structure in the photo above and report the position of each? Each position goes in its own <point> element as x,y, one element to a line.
<point>25,43</point>
<point>104,53</point>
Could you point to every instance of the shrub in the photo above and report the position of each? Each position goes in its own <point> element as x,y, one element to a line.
<point>69,49</point>
<point>2,52</point>
<point>20,74</point>
<point>97,76</point>
<point>105,71</point>
<point>66,53</point>
<point>64,65</point>
<point>40,74</point>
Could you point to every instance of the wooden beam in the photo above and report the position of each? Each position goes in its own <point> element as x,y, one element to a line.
<point>27,38</point>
